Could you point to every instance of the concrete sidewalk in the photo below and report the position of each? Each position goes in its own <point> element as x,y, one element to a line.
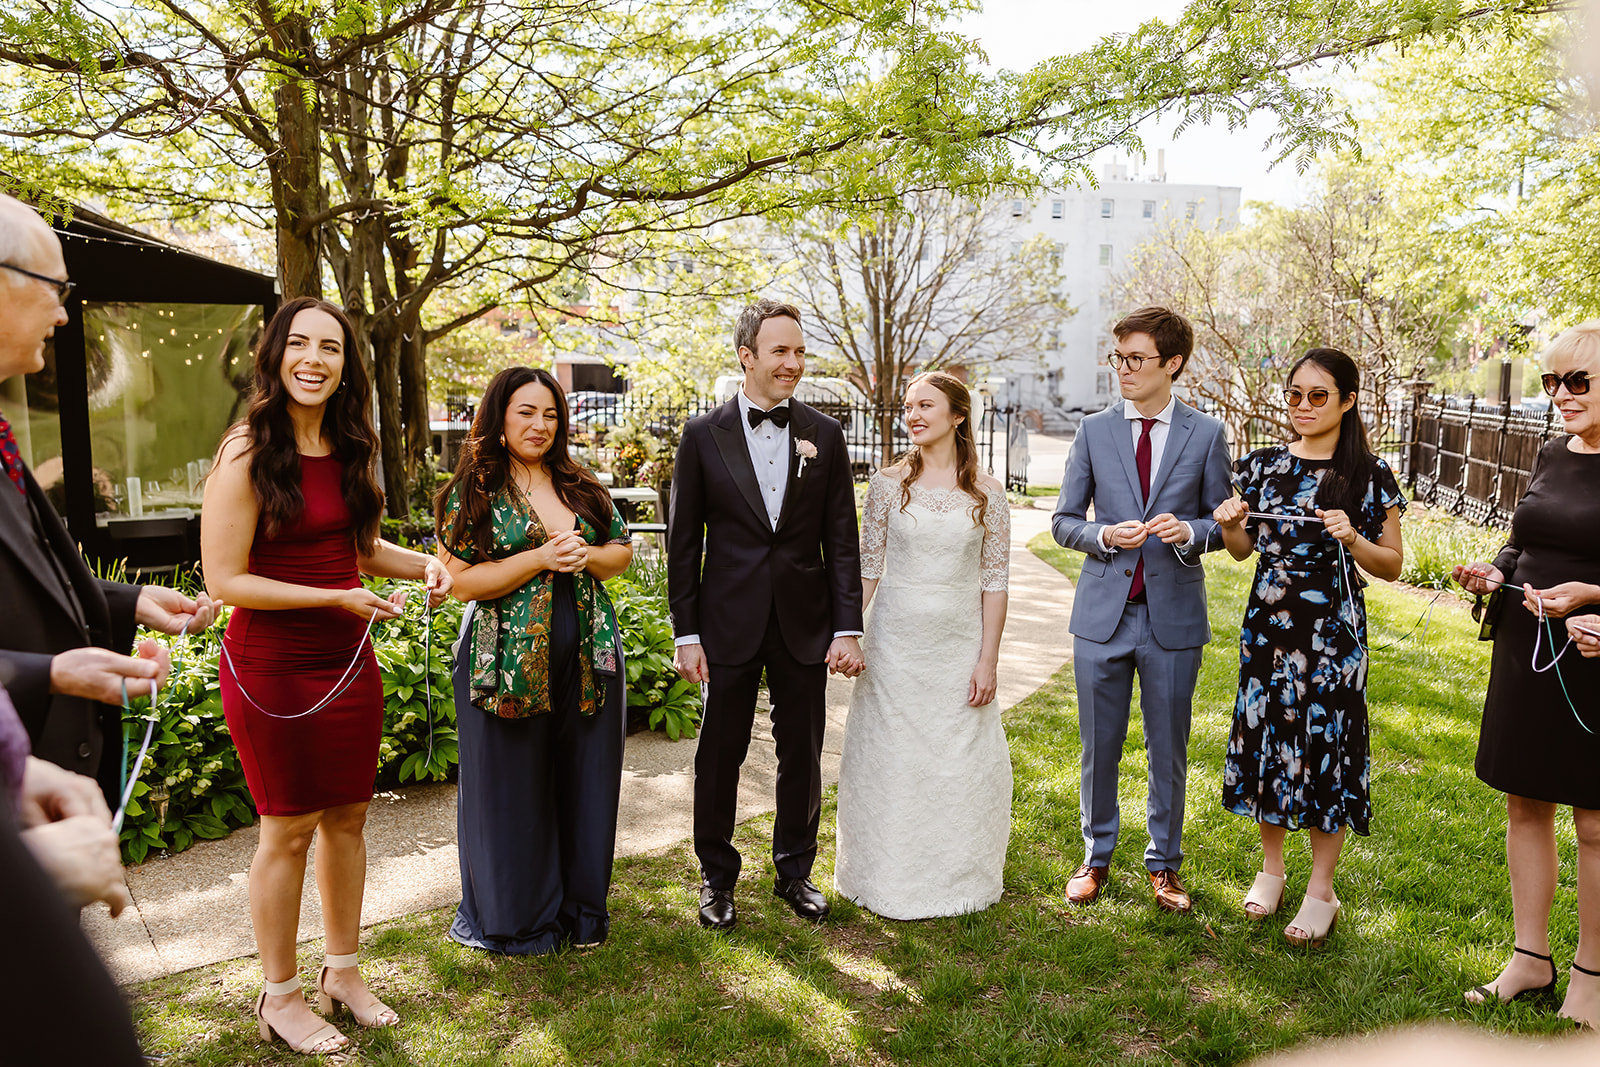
<point>193,908</point>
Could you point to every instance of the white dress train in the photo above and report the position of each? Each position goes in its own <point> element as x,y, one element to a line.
<point>925,779</point>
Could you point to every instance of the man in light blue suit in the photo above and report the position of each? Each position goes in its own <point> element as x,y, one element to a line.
<point>1153,469</point>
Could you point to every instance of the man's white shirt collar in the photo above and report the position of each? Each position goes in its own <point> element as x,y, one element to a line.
<point>1131,413</point>
<point>746,405</point>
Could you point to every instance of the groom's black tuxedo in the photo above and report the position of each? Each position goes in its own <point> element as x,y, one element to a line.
<point>809,564</point>
<point>762,597</point>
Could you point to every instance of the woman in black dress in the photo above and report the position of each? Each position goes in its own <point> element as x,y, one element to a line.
<point>530,536</point>
<point>1298,755</point>
<point>1536,745</point>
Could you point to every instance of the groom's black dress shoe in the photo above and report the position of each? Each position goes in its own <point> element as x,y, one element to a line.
<point>805,899</point>
<point>716,908</point>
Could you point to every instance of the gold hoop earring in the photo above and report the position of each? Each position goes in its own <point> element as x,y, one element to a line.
<point>502,440</point>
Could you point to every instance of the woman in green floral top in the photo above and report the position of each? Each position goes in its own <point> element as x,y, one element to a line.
<point>529,536</point>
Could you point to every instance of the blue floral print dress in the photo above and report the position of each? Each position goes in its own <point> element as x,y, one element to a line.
<point>1298,754</point>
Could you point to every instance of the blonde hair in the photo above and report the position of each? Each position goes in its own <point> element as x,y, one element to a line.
<point>955,392</point>
<point>1575,342</point>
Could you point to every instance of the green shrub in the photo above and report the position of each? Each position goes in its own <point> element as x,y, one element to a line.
<point>1435,542</point>
<point>654,688</point>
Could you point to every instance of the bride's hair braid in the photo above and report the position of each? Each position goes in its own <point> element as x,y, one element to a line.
<point>960,400</point>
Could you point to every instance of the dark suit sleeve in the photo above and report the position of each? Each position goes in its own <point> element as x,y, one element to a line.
<point>26,676</point>
<point>60,1004</point>
<point>841,541</point>
<point>123,600</point>
<point>686,532</point>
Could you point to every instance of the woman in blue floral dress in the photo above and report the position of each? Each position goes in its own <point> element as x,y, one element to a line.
<point>1298,754</point>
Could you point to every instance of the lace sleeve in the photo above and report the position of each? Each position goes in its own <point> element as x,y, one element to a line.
<point>996,565</point>
<point>875,525</point>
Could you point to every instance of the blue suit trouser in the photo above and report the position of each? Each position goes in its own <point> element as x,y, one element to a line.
<point>1104,672</point>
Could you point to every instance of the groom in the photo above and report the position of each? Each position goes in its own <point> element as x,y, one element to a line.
<point>763,572</point>
<point>1153,469</point>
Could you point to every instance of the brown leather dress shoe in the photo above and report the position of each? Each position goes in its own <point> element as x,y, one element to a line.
<point>1170,894</point>
<point>1085,884</point>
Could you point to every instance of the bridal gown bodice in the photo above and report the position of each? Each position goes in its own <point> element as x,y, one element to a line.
<point>925,779</point>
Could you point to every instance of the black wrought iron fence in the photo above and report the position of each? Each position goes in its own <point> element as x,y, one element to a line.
<point>1474,459</point>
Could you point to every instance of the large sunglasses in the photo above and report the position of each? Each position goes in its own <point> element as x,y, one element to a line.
<point>1318,397</point>
<point>1576,381</point>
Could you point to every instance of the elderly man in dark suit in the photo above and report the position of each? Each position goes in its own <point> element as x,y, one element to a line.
<point>762,496</point>
<point>65,630</point>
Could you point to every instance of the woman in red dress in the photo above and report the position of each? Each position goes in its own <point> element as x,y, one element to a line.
<point>290,521</point>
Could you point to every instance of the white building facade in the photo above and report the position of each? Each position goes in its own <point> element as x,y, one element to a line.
<point>1093,230</point>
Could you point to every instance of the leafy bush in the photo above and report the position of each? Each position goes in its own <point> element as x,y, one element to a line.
<point>654,689</point>
<point>1436,541</point>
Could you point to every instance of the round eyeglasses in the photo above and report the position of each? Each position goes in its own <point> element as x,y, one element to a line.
<point>1318,397</point>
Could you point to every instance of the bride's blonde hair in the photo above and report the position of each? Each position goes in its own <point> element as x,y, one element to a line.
<point>955,392</point>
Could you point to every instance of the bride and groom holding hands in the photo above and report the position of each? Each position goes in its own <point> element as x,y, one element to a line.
<point>766,573</point>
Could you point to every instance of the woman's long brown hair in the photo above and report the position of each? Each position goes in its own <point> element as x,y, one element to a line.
<point>955,391</point>
<point>484,469</point>
<point>346,422</point>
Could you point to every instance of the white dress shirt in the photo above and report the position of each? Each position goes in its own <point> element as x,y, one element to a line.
<point>768,445</point>
<point>769,449</point>
<point>1158,448</point>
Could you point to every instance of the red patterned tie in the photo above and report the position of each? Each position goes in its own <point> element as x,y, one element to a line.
<point>10,457</point>
<point>1141,456</point>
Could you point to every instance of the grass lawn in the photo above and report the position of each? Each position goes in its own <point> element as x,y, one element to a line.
<point>1031,980</point>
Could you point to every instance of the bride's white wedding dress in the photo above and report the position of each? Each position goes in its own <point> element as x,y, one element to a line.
<point>925,780</point>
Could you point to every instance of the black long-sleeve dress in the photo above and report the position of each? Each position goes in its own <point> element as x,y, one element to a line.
<point>1536,740</point>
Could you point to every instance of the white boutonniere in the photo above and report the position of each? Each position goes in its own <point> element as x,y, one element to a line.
<point>805,450</point>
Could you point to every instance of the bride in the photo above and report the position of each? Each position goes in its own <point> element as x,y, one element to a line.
<point>925,780</point>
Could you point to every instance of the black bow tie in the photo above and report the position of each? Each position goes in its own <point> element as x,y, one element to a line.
<point>778,415</point>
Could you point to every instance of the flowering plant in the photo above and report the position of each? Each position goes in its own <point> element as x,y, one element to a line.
<point>805,450</point>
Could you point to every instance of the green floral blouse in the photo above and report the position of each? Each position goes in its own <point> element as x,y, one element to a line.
<point>511,635</point>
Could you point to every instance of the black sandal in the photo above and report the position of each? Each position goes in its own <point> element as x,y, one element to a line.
<point>1548,990</point>
<point>1581,1025</point>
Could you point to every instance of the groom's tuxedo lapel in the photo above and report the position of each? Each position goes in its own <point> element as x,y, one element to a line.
<point>1177,439</point>
<point>729,436</point>
<point>801,428</point>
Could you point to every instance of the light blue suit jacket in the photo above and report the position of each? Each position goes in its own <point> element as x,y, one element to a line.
<point>1194,477</point>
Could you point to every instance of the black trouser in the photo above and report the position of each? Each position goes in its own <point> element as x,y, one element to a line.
<point>798,693</point>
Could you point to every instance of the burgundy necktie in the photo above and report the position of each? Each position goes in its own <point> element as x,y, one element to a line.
<point>10,456</point>
<point>1141,456</point>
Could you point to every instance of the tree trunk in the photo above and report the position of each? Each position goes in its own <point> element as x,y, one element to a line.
<point>296,174</point>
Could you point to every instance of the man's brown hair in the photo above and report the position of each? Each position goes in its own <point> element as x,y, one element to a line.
<point>1169,330</point>
<point>751,318</point>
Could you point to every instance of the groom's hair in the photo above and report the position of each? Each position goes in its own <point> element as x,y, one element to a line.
<point>1169,330</point>
<point>751,318</point>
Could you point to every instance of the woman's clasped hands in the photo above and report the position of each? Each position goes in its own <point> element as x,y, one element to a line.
<point>566,552</point>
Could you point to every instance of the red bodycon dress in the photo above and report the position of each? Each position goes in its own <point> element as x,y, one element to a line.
<point>289,660</point>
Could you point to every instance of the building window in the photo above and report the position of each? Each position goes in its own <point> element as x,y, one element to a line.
<point>1016,248</point>
<point>1018,207</point>
<point>1106,208</point>
<point>1102,383</point>
<point>1055,254</point>
<point>1149,209</point>
<point>1058,209</point>
<point>922,252</point>
<point>1189,209</point>
<point>1105,255</point>
<point>1054,341</point>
